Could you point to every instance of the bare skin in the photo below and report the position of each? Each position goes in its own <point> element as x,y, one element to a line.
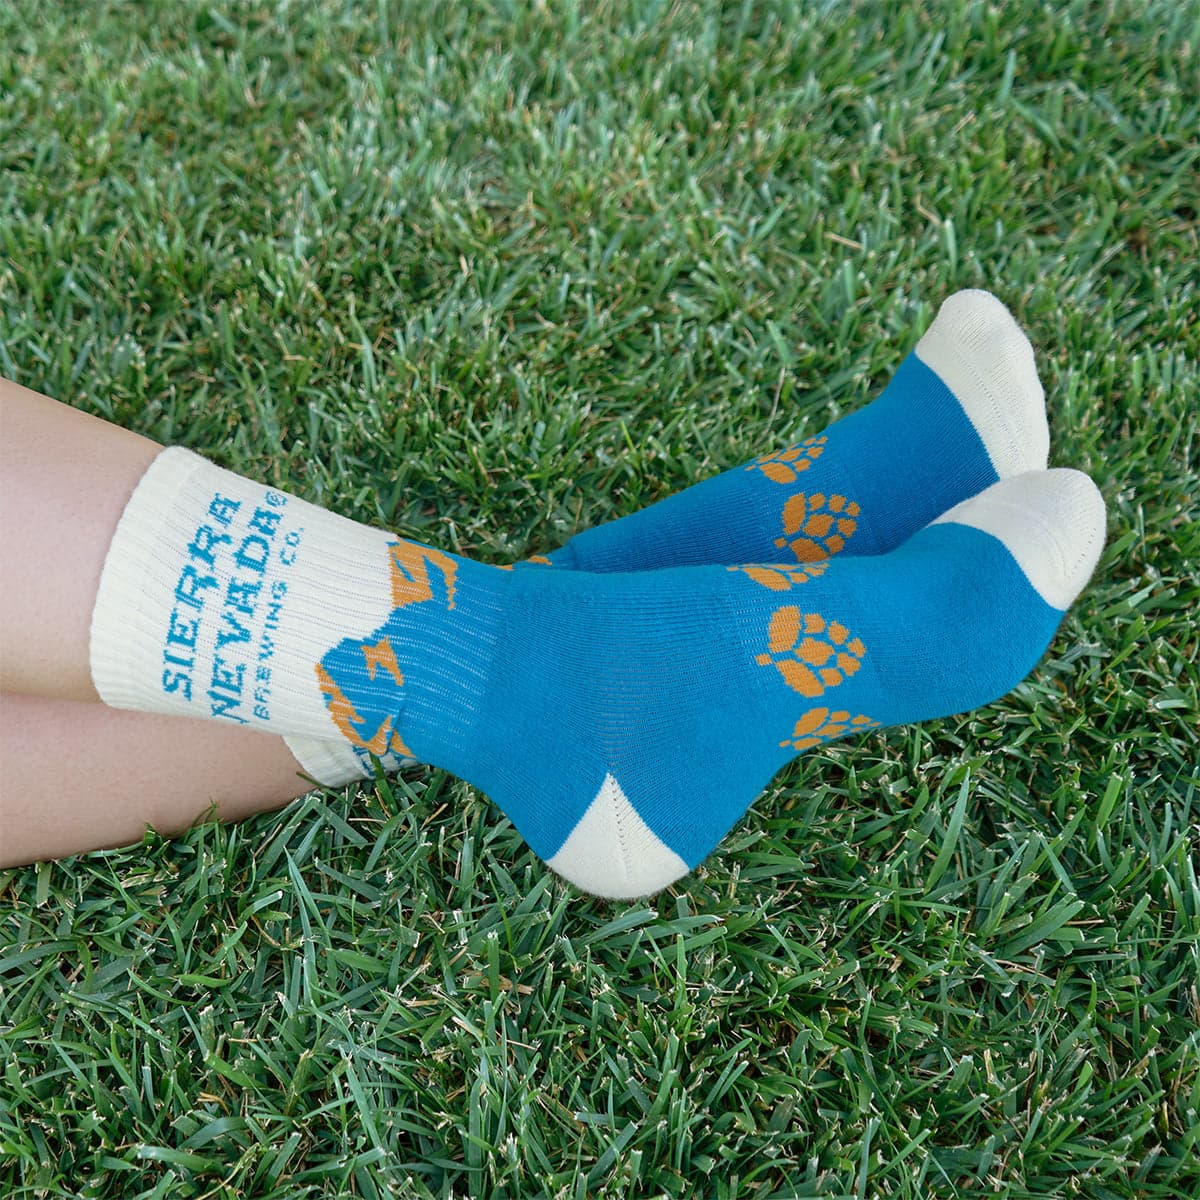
<point>77,776</point>
<point>65,478</point>
<point>74,774</point>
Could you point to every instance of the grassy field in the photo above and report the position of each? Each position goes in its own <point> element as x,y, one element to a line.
<point>492,274</point>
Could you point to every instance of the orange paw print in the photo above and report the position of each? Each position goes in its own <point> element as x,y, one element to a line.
<point>787,465</point>
<point>820,725</point>
<point>818,525</point>
<point>811,654</point>
<point>782,577</point>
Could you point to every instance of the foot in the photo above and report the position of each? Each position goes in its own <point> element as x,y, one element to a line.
<point>624,722</point>
<point>964,410</point>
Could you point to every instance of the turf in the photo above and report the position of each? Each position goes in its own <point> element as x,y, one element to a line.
<point>491,274</point>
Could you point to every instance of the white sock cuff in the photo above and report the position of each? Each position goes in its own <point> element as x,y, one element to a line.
<point>135,571</point>
<point>978,350</point>
<point>219,595</point>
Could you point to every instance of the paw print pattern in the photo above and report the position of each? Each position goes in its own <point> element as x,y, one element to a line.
<point>782,577</point>
<point>820,725</point>
<point>817,525</point>
<point>811,654</point>
<point>787,465</point>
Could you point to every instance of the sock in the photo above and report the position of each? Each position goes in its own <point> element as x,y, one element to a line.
<point>964,409</point>
<point>623,722</point>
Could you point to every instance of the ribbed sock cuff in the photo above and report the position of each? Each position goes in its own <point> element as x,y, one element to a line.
<point>219,595</point>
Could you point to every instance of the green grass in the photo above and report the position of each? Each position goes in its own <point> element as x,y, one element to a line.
<point>488,276</point>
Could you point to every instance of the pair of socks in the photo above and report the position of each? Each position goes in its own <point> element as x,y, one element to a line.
<point>625,700</point>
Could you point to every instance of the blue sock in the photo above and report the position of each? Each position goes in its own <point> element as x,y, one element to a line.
<point>624,722</point>
<point>964,409</point>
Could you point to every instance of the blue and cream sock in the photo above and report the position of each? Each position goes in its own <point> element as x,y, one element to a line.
<point>964,410</point>
<point>622,721</point>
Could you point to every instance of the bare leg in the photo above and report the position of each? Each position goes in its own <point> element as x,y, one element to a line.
<point>77,776</point>
<point>65,478</point>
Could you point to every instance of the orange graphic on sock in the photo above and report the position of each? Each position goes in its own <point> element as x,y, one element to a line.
<point>782,577</point>
<point>412,582</point>
<point>534,559</point>
<point>786,465</point>
<point>817,525</point>
<point>811,654</point>
<point>346,718</point>
<point>382,655</point>
<point>820,725</point>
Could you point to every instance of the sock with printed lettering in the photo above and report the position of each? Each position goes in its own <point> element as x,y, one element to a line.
<point>964,409</point>
<point>623,721</point>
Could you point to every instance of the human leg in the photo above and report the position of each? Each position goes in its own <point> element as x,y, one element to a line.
<point>964,410</point>
<point>64,480</point>
<point>78,776</point>
<point>596,710</point>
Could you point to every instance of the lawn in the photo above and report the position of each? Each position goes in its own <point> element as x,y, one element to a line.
<point>487,275</point>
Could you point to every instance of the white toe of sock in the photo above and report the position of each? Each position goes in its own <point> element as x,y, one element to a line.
<point>1051,522</point>
<point>612,852</point>
<point>980,353</point>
